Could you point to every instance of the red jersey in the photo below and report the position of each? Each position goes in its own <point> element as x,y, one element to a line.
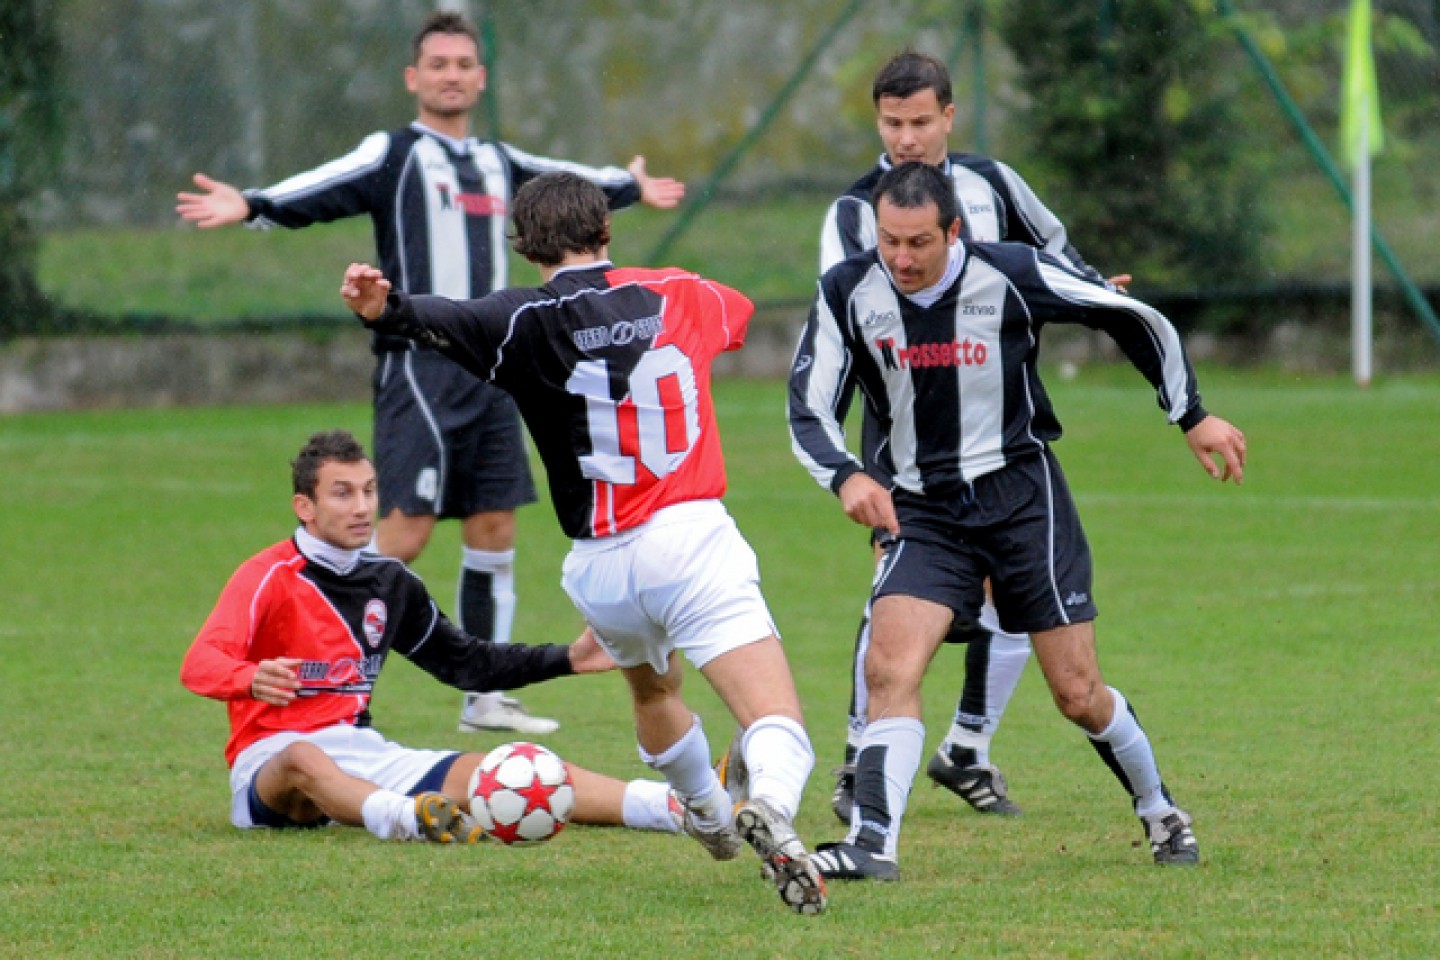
<point>611,370</point>
<point>342,624</point>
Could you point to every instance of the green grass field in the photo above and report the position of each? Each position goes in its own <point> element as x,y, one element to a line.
<point>1277,640</point>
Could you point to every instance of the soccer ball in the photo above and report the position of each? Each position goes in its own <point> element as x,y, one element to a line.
<point>521,793</point>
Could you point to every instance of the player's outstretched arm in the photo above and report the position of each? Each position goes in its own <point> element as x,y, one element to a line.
<point>1214,437</point>
<point>868,503</point>
<point>587,656</point>
<point>220,204</point>
<point>365,290</point>
<point>659,192</point>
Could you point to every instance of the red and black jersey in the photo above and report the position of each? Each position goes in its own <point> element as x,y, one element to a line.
<point>611,371</point>
<point>283,603</point>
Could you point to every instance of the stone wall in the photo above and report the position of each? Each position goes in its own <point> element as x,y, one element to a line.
<point>335,364</point>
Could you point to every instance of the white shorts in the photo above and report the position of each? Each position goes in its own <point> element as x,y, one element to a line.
<point>359,751</point>
<point>684,580</point>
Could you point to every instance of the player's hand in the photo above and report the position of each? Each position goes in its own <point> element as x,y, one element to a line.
<point>276,682</point>
<point>868,503</point>
<point>365,290</point>
<point>1120,283</point>
<point>659,192</point>
<point>587,656</point>
<point>219,205</point>
<point>1214,437</point>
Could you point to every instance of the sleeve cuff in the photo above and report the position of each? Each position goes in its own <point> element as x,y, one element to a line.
<point>1192,416</point>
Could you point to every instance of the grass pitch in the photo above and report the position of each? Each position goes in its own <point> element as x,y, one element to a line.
<point>1277,641</point>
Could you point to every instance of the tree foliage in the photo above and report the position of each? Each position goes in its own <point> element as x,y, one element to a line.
<point>29,58</point>
<point>1131,120</point>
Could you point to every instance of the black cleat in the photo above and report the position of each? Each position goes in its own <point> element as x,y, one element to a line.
<point>842,801</point>
<point>1170,838</point>
<point>980,786</point>
<point>846,861</point>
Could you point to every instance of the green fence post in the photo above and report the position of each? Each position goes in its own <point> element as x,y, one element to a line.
<point>706,193</point>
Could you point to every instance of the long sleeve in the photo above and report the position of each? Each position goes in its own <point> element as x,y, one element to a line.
<point>821,385</point>
<point>331,191</point>
<point>621,189</point>
<point>216,665</point>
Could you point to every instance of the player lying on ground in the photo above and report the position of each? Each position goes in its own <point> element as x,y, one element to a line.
<point>295,646</point>
<point>611,371</point>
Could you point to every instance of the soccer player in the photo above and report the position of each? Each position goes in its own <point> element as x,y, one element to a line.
<point>295,646</point>
<point>611,370</point>
<point>941,335</point>
<point>447,446</point>
<point>914,112</point>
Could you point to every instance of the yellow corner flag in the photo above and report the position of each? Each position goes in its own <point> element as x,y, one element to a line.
<point>1359,91</point>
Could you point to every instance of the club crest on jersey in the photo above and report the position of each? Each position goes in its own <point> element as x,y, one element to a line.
<point>376,616</point>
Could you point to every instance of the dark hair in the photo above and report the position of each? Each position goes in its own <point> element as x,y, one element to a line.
<point>448,22</point>
<point>559,213</point>
<point>909,72</point>
<point>916,184</point>
<point>337,446</point>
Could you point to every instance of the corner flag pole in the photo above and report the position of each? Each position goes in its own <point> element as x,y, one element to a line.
<point>1361,137</point>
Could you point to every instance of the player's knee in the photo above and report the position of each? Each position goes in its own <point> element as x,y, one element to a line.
<point>302,763</point>
<point>1079,701</point>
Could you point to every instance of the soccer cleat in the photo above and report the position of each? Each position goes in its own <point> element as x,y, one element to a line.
<point>846,861</point>
<point>722,844</point>
<point>982,787</point>
<point>731,769</point>
<point>1170,838</point>
<point>507,714</point>
<point>785,862</point>
<point>842,801</point>
<point>440,819</point>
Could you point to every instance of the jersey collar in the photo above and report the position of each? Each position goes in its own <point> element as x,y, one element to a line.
<point>325,554</point>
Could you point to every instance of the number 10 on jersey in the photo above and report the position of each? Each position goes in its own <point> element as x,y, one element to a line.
<point>657,422</point>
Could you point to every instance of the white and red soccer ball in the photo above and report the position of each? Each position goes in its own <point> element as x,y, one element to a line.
<point>521,793</point>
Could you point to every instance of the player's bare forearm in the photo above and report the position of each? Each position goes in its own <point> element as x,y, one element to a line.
<point>365,290</point>
<point>1214,437</point>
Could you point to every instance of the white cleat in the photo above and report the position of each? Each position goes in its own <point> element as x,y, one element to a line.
<point>507,714</point>
<point>785,861</point>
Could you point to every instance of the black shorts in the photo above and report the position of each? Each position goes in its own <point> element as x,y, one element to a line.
<point>1017,526</point>
<point>447,444</point>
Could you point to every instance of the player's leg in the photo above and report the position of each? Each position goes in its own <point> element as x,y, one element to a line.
<point>842,797</point>
<point>599,800</point>
<point>905,633</point>
<point>1068,658</point>
<point>491,478</point>
<point>994,662</point>
<point>402,536</point>
<point>303,784</point>
<point>673,742</point>
<point>1048,588</point>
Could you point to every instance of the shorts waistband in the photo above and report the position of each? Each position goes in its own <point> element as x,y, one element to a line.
<point>675,513</point>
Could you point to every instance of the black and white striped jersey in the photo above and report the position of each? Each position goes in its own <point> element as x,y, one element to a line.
<point>995,204</point>
<point>953,386</point>
<point>438,204</point>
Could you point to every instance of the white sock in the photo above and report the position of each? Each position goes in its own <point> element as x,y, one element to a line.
<point>493,608</point>
<point>646,806</point>
<point>686,766</point>
<point>1132,753</point>
<point>885,770</point>
<point>779,757</point>
<point>1009,652</point>
<point>390,815</point>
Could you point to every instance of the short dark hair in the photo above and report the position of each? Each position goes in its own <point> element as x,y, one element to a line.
<point>909,72</point>
<point>559,213</point>
<point>449,22</point>
<point>916,184</point>
<point>331,446</point>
